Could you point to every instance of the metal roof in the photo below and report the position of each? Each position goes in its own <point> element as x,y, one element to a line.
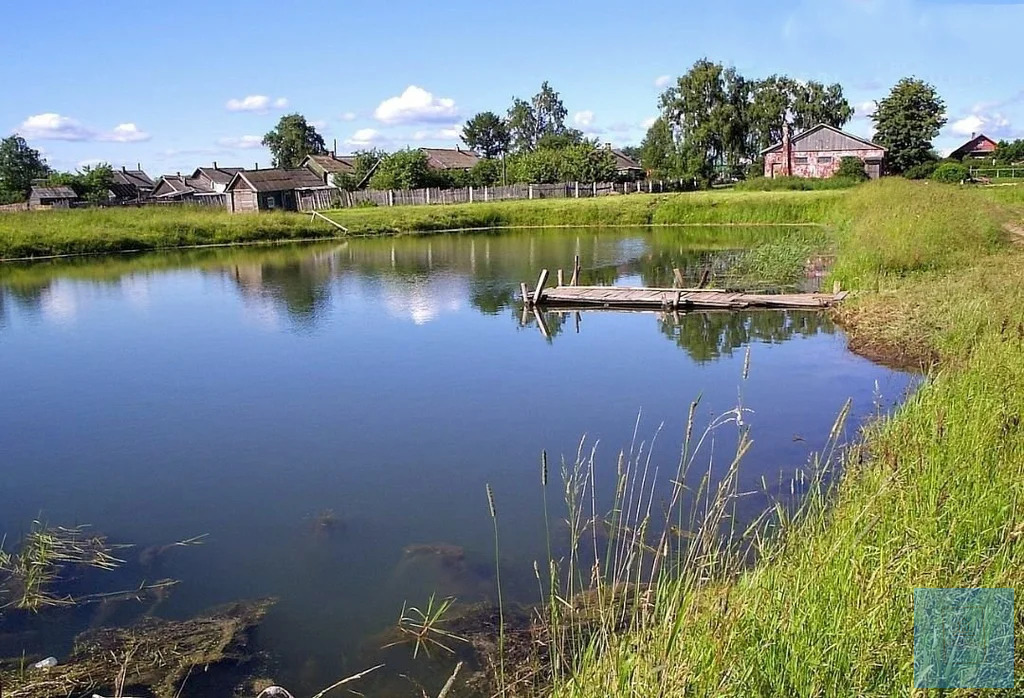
<point>819,127</point>
<point>61,192</point>
<point>276,179</point>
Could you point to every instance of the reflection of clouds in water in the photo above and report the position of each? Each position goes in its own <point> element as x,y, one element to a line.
<point>423,299</point>
<point>260,311</point>
<point>59,303</point>
<point>135,289</point>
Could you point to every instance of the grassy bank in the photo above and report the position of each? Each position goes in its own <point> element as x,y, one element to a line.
<point>112,230</point>
<point>934,498</point>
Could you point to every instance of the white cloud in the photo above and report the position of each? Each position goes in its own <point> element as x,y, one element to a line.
<point>125,133</point>
<point>662,81</point>
<point>319,125</point>
<point>421,135</point>
<point>990,123</point>
<point>348,116</point>
<point>54,127</point>
<point>648,122</point>
<point>865,108</point>
<point>256,103</point>
<point>90,162</point>
<point>584,118</point>
<point>366,138</point>
<point>243,142</point>
<point>416,105</point>
<point>449,133</point>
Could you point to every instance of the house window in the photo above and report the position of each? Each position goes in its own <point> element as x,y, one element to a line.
<point>800,161</point>
<point>824,159</point>
<point>271,203</point>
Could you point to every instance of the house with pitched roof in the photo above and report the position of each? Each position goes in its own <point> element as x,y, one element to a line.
<point>447,159</point>
<point>980,146</point>
<point>215,179</point>
<point>131,185</point>
<point>51,197</point>
<point>272,189</point>
<point>327,166</point>
<point>818,151</point>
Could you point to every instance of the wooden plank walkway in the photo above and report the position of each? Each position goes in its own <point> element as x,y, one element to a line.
<point>671,298</point>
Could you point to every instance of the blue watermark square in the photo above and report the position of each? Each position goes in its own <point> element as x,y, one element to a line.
<point>963,638</point>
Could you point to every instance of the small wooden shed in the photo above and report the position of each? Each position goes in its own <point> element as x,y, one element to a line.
<point>980,146</point>
<point>51,197</point>
<point>269,190</point>
<point>817,152</point>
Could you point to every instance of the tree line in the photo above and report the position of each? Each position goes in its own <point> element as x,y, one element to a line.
<point>21,166</point>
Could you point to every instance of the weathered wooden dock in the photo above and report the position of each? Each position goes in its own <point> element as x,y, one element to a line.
<point>670,299</point>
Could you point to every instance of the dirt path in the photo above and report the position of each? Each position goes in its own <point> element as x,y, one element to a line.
<point>1016,231</point>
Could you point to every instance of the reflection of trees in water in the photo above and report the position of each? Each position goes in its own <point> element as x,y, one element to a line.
<point>299,287</point>
<point>706,336</point>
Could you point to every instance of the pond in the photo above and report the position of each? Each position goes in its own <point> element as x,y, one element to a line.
<point>320,411</point>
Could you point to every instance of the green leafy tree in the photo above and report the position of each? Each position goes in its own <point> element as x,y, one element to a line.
<point>779,100</point>
<point>1010,152</point>
<point>365,163</point>
<point>543,116</point>
<point>404,169</point>
<point>92,183</point>
<point>292,140</point>
<point>907,121</point>
<point>658,152</point>
<point>582,162</point>
<point>19,165</point>
<point>485,173</point>
<point>707,106</point>
<point>851,168</point>
<point>487,134</point>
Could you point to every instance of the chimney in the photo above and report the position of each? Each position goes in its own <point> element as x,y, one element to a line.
<point>215,165</point>
<point>607,146</point>
<point>124,169</point>
<point>138,166</point>
<point>787,154</point>
<point>257,166</point>
<point>972,135</point>
<point>334,150</point>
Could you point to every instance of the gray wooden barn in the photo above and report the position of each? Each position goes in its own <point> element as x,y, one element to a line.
<point>51,197</point>
<point>269,190</point>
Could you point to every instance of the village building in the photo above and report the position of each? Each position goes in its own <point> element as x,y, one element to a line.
<point>626,168</point>
<point>817,152</point>
<point>269,190</point>
<point>448,159</point>
<point>214,179</point>
<point>327,166</point>
<point>980,146</point>
<point>131,185</point>
<point>51,197</point>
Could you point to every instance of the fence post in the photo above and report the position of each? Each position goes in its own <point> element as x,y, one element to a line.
<point>391,197</point>
<point>577,190</point>
<point>650,186</point>
<point>486,197</point>
<point>471,195</point>
<point>529,194</point>
<point>595,189</point>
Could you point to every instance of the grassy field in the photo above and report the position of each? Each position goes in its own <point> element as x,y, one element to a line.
<point>44,233</point>
<point>934,496</point>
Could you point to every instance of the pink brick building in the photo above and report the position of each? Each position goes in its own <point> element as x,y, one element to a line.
<point>817,152</point>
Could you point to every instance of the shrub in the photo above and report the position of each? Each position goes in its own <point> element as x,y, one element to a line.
<point>796,183</point>
<point>951,173</point>
<point>922,171</point>
<point>755,169</point>
<point>851,168</point>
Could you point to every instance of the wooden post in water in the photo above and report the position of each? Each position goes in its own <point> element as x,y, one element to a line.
<point>537,292</point>
<point>526,294</point>
<point>561,279</point>
<point>577,314</point>
<point>704,278</point>
<point>677,278</point>
<point>575,281</point>
<point>543,326</point>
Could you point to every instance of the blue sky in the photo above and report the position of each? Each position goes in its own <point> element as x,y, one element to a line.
<point>174,86</point>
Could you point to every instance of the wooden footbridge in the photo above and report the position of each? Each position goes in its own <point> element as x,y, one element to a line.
<point>573,296</point>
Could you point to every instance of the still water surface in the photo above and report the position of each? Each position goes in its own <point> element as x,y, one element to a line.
<point>242,393</point>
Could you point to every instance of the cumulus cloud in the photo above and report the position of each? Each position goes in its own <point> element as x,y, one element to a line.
<point>865,108</point>
<point>366,138</point>
<point>348,116</point>
<point>662,81</point>
<point>648,122</point>
<point>583,119</point>
<point>416,105</point>
<point>125,133</point>
<point>243,142</point>
<point>256,103</point>
<point>54,127</point>
<point>993,124</point>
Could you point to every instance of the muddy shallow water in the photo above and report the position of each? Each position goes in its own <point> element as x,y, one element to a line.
<point>329,415</point>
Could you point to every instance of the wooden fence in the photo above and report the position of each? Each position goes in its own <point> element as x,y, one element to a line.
<point>1007,172</point>
<point>15,207</point>
<point>317,200</point>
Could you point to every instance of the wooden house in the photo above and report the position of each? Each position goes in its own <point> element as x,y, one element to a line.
<point>51,197</point>
<point>626,168</point>
<point>131,185</point>
<point>817,152</point>
<point>450,158</point>
<point>178,187</point>
<point>327,166</point>
<point>214,179</point>
<point>980,146</point>
<point>268,190</point>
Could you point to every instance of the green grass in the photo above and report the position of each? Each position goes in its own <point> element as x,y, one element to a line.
<point>84,231</point>
<point>796,184</point>
<point>933,497</point>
